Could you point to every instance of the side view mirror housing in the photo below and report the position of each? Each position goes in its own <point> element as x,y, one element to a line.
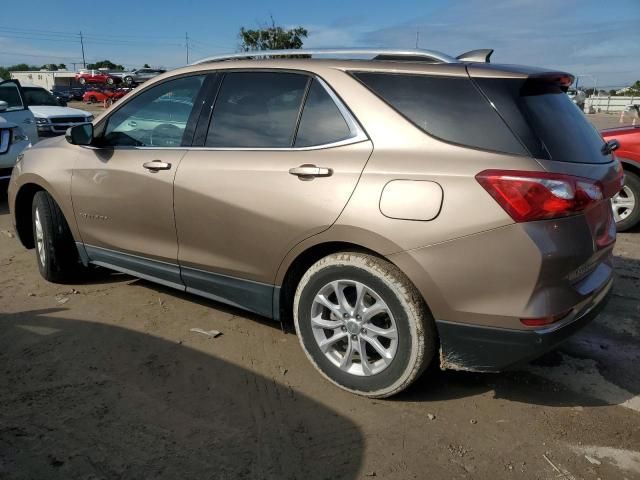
<point>3,105</point>
<point>80,134</point>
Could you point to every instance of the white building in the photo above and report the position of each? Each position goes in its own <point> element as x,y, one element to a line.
<point>46,78</point>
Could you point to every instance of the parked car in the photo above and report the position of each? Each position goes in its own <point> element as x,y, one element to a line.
<point>399,211</point>
<point>97,76</point>
<point>62,94</point>
<point>140,75</point>
<point>15,121</point>
<point>626,204</point>
<point>100,96</point>
<point>52,118</point>
<point>578,97</point>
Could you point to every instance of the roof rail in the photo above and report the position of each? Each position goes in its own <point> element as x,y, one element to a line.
<point>384,54</point>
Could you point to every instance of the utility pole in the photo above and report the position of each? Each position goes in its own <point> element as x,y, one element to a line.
<point>84,63</point>
<point>186,37</point>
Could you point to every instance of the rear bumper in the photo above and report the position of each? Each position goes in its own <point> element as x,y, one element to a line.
<point>489,349</point>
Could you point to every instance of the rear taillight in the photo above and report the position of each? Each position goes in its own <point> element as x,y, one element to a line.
<point>528,196</point>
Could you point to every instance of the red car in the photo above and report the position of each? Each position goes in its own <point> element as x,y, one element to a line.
<point>96,76</point>
<point>100,96</point>
<point>626,205</point>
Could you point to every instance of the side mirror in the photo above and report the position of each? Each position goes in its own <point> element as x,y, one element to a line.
<point>80,134</point>
<point>3,105</point>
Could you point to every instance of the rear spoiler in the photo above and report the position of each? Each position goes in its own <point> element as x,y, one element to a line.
<point>481,55</point>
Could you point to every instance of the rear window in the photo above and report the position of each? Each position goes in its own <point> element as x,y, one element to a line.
<point>546,120</point>
<point>449,108</point>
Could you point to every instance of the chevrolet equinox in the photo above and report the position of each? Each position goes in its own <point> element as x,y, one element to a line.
<point>400,209</point>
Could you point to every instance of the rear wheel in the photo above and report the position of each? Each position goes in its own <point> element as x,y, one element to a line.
<point>626,204</point>
<point>363,325</point>
<point>82,81</point>
<point>109,81</point>
<point>56,252</point>
<point>128,80</point>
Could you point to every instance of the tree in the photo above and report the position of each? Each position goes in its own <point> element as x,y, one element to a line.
<point>634,90</point>
<point>62,66</point>
<point>271,38</point>
<point>49,66</point>
<point>146,65</point>
<point>108,64</point>
<point>5,72</point>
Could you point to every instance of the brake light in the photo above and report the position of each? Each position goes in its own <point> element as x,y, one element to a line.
<point>528,196</point>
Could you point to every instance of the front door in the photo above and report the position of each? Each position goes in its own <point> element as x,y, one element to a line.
<point>273,170</point>
<point>122,187</point>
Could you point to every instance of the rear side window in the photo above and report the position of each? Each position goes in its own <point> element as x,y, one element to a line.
<point>449,108</point>
<point>257,109</point>
<point>545,118</point>
<point>321,121</point>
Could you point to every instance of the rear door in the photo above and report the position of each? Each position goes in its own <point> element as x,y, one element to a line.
<point>18,111</point>
<point>278,159</point>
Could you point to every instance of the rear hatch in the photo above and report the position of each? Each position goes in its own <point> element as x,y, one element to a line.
<point>534,105</point>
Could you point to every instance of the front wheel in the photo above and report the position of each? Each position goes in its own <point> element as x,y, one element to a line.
<point>128,80</point>
<point>626,204</point>
<point>82,81</point>
<point>363,324</point>
<point>56,251</point>
<point>109,81</point>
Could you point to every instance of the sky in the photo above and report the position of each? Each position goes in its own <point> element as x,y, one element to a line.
<point>596,39</point>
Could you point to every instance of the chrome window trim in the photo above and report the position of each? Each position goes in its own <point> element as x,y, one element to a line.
<point>341,143</point>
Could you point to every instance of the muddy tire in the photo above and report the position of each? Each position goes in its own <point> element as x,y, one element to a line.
<point>363,324</point>
<point>56,252</point>
<point>626,204</point>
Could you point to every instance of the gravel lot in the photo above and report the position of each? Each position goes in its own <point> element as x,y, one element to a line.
<point>106,380</point>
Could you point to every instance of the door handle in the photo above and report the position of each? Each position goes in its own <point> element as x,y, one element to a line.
<point>309,172</point>
<point>157,165</point>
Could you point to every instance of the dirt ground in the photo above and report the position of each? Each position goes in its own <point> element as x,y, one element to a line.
<point>105,380</point>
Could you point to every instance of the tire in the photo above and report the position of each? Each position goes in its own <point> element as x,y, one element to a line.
<point>92,100</point>
<point>128,80</point>
<point>56,252</point>
<point>626,204</point>
<point>82,81</point>
<point>402,309</point>
<point>109,81</point>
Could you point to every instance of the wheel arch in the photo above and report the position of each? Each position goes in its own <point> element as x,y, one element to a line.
<point>631,166</point>
<point>23,213</point>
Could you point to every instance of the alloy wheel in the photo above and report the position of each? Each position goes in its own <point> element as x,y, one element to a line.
<point>354,327</point>
<point>623,204</point>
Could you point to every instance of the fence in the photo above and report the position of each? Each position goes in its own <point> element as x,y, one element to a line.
<point>609,104</point>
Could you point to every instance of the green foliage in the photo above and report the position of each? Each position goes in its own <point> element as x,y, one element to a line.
<point>108,64</point>
<point>62,66</point>
<point>49,66</point>
<point>5,72</point>
<point>146,65</point>
<point>634,90</point>
<point>271,38</point>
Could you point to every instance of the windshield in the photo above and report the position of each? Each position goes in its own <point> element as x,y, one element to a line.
<point>39,96</point>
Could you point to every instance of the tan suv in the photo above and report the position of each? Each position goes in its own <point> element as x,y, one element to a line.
<point>403,209</point>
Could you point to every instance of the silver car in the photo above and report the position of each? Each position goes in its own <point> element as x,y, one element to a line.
<point>140,75</point>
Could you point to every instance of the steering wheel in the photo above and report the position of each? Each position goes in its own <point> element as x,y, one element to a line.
<point>166,135</point>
